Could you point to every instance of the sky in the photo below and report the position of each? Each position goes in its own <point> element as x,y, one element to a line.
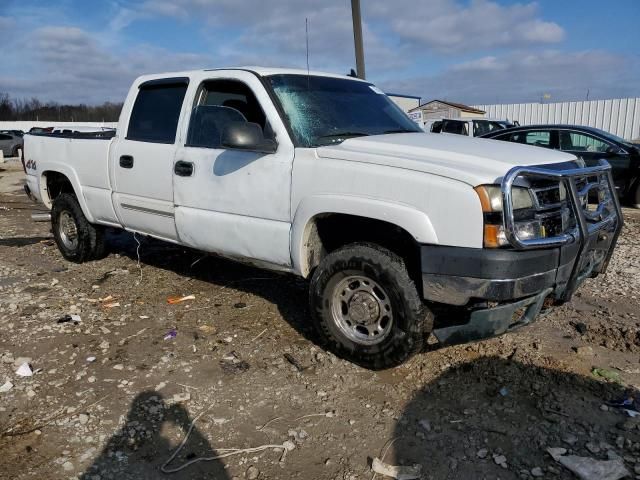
<point>468,51</point>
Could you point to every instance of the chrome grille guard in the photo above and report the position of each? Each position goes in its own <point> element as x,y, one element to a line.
<point>607,216</point>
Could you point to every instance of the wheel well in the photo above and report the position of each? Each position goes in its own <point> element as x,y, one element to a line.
<point>328,232</point>
<point>56,183</point>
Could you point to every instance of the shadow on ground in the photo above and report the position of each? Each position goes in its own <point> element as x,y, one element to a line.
<point>139,449</point>
<point>508,408</point>
<point>21,241</point>
<point>287,292</point>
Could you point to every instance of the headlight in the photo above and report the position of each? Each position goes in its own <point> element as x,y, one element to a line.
<point>526,226</point>
<point>491,198</point>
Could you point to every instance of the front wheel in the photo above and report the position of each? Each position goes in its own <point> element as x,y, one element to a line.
<point>77,239</point>
<point>366,308</point>
<point>634,195</point>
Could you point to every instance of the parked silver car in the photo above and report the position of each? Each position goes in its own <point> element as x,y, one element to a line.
<point>10,144</point>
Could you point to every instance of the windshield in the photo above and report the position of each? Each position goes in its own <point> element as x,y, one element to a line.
<point>324,110</point>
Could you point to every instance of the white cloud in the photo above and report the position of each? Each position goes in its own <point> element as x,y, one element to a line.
<point>451,26</point>
<point>68,65</point>
<point>440,25</point>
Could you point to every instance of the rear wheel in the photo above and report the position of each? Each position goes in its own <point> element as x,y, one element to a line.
<point>77,239</point>
<point>366,308</point>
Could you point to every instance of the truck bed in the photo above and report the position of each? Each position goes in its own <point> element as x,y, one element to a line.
<point>82,157</point>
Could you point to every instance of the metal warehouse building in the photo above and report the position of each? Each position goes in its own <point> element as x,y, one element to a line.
<point>620,116</point>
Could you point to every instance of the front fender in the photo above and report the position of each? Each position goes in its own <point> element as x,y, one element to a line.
<point>415,222</point>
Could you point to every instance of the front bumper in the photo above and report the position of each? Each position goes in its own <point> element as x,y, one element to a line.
<point>520,279</point>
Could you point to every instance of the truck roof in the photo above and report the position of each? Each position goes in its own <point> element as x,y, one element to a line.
<point>262,71</point>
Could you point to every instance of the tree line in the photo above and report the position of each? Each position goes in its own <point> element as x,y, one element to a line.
<point>13,109</point>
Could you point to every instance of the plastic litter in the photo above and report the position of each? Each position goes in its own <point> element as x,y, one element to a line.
<point>587,468</point>
<point>175,300</point>
<point>24,370</point>
<point>70,318</point>
<point>628,400</point>
<point>91,359</point>
<point>6,386</point>
<point>171,334</point>
<point>395,471</point>
<point>606,373</point>
<point>111,305</point>
<point>628,403</point>
<point>504,391</point>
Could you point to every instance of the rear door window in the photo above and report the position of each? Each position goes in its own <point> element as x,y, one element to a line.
<point>156,112</point>
<point>456,127</point>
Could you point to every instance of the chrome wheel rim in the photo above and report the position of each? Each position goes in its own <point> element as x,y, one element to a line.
<point>361,309</point>
<point>68,230</point>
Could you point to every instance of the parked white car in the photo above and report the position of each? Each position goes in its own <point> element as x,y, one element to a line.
<point>324,177</point>
<point>469,127</point>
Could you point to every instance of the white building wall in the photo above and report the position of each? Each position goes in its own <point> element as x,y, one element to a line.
<point>405,103</point>
<point>620,116</point>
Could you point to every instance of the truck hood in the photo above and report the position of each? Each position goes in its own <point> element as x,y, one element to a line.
<point>475,161</point>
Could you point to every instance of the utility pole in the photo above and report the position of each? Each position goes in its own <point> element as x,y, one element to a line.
<point>357,37</point>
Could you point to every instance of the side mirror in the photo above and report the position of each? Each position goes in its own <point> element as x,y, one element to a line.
<point>246,136</point>
<point>613,150</point>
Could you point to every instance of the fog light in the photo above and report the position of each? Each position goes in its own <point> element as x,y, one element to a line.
<point>529,230</point>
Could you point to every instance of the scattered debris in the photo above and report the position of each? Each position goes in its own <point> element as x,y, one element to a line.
<point>181,397</point>
<point>175,300</point>
<point>398,472</point>
<point>70,318</point>
<point>587,468</point>
<point>173,333</point>
<point>606,374</point>
<point>425,425</point>
<point>500,460</point>
<point>232,364</point>
<point>111,305</point>
<point>627,401</point>
<point>207,328</point>
<point>24,370</point>
<point>482,453</point>
<point>252,473</point>
<point>537,472</point>
<point>584,350</point>
<point>293,361</point>
<point>6,386</point>
<point>581,328</point>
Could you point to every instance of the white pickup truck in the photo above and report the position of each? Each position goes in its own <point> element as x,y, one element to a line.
<point>401,233</point>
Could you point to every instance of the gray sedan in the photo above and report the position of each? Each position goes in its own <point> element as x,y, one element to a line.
<point>11,145</point>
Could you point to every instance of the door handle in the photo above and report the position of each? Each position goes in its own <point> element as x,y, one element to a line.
<point>126,161</point>
<point>183,169</point>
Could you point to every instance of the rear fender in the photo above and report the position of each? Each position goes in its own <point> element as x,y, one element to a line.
<point>71,175</point>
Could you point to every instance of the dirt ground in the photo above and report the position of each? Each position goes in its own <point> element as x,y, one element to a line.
<point>114,393</point>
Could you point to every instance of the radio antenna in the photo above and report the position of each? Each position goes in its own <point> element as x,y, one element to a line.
<point>306,30</point>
